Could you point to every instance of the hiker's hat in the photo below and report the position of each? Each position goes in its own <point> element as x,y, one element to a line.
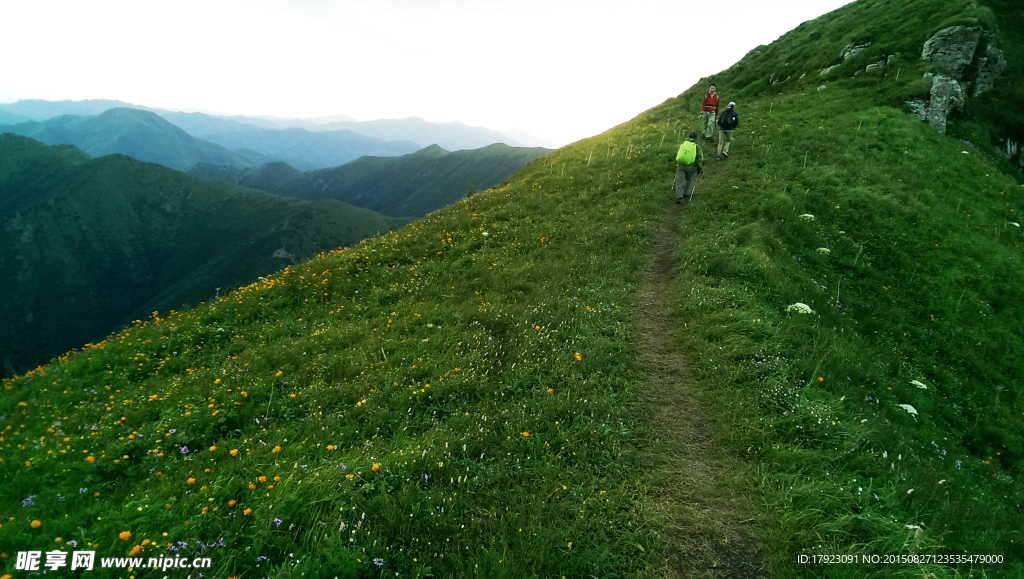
<point>732,104</point>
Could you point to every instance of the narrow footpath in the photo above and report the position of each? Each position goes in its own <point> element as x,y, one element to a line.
<point>696,488</point>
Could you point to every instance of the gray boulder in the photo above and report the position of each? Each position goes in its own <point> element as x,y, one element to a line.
<point>875,67</point>
<point>851,50</point>
<point>990,67</point>
<point>945,97</point>
<point>918,108</point>
<point>952,48</point>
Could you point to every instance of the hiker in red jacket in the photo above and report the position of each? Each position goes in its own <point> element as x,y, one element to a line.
<point>708,111</point>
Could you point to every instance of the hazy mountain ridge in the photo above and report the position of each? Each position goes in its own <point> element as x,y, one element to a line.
<point>409,186</point>
<point>308,150</point>
<point>136,133</point>
<point>450,135</point>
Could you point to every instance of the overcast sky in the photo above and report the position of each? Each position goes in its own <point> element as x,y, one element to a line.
<point>560,69</point>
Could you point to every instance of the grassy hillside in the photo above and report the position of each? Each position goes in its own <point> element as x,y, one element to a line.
<point>86,245</point>
<point>140,134</point>
<point>460,397</point>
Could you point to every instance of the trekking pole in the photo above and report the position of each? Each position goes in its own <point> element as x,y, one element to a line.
<point>691,192</point>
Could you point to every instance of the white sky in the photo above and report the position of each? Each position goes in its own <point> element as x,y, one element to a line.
<point>560,69</point>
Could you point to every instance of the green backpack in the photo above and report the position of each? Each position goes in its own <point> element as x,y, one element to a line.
<point>687,153</point>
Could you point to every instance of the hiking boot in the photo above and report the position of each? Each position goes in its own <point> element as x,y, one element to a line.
<point>679,200</point>
<point>718,158</point>
<point>725,154</point>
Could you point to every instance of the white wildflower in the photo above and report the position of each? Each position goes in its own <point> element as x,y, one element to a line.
<point>885,454</point>
<point>824,250</point>
<point>485,234</point>
<point>908,408</point>
<point>1015,224</point>
<point>910,491</point>
<point>807,217</point>
<point>918,384</point>
<point>800,308</point>
<point>942,481</point>
<point>913,526</point>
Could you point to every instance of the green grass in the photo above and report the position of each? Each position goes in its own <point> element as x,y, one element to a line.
<point>924,283</point>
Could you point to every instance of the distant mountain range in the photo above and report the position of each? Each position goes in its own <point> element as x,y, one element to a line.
<point>87,245</point>
<point>140,134</point>
<point>406,187</point>
<point>451,136</point>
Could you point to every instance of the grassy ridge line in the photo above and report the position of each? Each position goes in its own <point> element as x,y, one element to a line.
<point>919,278</point>
<point>488,377</point>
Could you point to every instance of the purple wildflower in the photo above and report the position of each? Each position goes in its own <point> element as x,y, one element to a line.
<point>184,450</point>
<point>261,558</point>
<point>28,502</point>
<point>378,561</point>
<point>278,521</point>
<point>171,431</point>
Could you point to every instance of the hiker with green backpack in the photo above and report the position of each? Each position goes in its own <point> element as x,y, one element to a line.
<point>689,159</point>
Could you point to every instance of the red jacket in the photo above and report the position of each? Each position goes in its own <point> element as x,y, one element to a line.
<point>709,104</point>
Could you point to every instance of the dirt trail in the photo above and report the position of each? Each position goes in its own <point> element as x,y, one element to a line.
<point>707,518</point>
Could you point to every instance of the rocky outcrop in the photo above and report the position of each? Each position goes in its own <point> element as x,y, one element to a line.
<point>990,67</point>
<point>946,96</point>
<point>851,50</point>
<point>918,108</point>
<point>875,67</point>
<point>952,48</point>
